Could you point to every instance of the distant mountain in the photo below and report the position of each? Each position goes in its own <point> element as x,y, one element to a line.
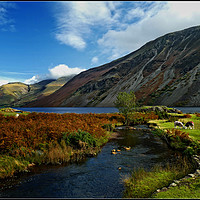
<point>19,94</point>
<point>165,71</point>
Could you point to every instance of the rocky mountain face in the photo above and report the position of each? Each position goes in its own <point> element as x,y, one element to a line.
<point>19,94</point>
<point>165,71</point>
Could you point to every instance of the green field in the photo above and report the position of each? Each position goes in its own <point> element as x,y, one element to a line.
<point>193,133</point>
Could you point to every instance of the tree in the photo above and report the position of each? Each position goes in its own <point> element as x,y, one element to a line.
<point>126,103</point>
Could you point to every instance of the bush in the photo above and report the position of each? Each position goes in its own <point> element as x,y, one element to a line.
<point>187,116</point>
<point>75,137</point>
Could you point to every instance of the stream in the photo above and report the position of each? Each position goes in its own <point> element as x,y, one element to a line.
<point>96,177</point>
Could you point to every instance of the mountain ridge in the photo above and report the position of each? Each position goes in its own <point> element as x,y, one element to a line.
<point>19,94</point>
<point>164,71</point>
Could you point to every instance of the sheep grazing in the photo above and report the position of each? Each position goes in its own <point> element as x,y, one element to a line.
<point>179,124</point>
<point>190,125</point>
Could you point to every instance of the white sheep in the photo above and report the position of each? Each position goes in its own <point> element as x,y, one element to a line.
<point>179,124</point>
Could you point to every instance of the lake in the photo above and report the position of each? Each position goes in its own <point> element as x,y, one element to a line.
<point>93,109</point>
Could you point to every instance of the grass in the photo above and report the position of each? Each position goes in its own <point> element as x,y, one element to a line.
<point>187,189</point>
<point>10,165</point>
<point>143,184</point>
<point>11,112</point>
<point>193,133</point>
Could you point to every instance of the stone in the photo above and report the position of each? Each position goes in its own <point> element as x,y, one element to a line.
<point>176,181</point>
<point>158,190</point>
<point>173,185</point>
<point>164,189</point>
<point>191,175</point>
<point>197,171</point>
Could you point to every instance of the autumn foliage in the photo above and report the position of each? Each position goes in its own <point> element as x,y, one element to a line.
<point>36,130</point>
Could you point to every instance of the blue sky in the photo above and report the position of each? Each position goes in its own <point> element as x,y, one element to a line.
<point>40,40</point>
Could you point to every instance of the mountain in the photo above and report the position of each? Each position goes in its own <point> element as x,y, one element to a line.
<point>165,71</point>
<point>19,94</point>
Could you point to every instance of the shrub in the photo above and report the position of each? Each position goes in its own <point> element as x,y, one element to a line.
<point>198,114</point>
<point>58,153</point>
<point>36,130</point>
<point>75,137</point>
<point>187,116</point>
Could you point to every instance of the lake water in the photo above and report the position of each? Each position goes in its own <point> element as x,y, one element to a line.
<point>96,177</point>
<point>71,109</point>
<point>93,109</point>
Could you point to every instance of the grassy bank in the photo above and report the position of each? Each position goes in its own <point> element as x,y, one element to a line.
<point>50,138</point>
<point>142,184</point>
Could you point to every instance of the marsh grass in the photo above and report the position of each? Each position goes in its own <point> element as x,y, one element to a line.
<point>142,183</point>
<point>10,165</point>
<point>58,153</point>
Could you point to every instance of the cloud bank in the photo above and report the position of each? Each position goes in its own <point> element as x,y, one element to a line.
<point>55,73</point>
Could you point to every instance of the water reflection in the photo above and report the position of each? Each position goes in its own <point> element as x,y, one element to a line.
<point>97,177</point>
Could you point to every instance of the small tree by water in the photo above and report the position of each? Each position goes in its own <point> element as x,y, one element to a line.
<point>126,103</point>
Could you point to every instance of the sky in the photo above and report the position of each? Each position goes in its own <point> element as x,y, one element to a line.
<point>50,39</point>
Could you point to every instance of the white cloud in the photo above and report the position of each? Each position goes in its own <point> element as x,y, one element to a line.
<point>55,73</point>
<point>63,70</point>
<point>94,60</point>
<point>159,20</point>
<point>120,27</point>
<point>76,19</point>
<point>32,80</point>
<point>71,39</point>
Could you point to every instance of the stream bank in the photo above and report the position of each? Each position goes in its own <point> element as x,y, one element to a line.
<point>97,177</point>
